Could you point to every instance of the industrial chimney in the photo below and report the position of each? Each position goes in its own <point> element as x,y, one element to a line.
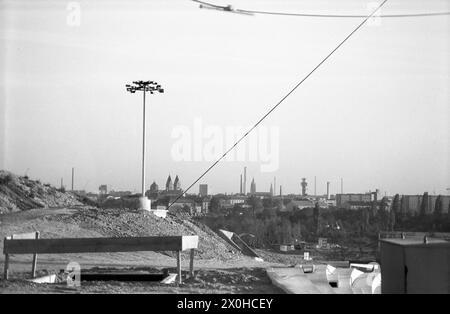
<point>240,189</point>
<point>245,180</point>
<point>328,190</point>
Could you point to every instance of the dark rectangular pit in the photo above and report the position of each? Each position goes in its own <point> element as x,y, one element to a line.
<point>122,277</point>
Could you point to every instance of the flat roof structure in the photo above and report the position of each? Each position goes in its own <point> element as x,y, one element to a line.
<point>415,265</point>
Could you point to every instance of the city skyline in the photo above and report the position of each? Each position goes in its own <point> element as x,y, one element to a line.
<point>376,114</point>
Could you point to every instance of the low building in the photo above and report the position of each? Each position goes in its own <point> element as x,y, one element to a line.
<point>295,205</point>
<point>411,204</point>
<point>415,266</point>
<point>343,199</point>
<point>230,201</point>
<point>322,242</point>
<point>356,205</point>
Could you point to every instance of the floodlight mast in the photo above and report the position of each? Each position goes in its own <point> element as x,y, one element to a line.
<point>144,86</point>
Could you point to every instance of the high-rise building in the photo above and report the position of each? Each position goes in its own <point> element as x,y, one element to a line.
<point>203,190</point>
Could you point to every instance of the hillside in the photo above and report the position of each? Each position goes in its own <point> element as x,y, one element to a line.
<point>20,193</point>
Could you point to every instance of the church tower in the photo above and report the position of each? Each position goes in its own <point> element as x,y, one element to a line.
<point>169,184</point>
<point>176,184</point>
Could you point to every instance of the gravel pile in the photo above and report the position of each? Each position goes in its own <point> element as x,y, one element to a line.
<point>20,193</point>
<point>129,223</point>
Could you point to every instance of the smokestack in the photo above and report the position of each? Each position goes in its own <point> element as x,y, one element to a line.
<point>315,191</point>
<point>62,183</point>
<point>342,185</point>
<point>281,193</point>
<point>274,185</point>
<point>240,190</point>
<point>73,174</point>
<point>328,190</point>
<point>245,180</point>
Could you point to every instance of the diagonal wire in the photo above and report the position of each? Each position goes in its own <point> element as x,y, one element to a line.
<point>279,102</point>
<point>342,15</point>
<point>251,12</point>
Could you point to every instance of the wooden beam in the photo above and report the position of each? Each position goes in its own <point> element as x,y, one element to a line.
<point>6,272</point>
<point>21,236</point>
<point>33,266</point>
<point>191,263</point>
<point>179,267</point>
<point>97,245</point>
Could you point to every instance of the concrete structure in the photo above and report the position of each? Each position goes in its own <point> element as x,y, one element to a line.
<point>415,266</point>
<point>203,190</point>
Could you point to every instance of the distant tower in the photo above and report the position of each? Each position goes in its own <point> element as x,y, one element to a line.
<point>315,191</point>
<point>73,176</point>
<point>245,180</point>
<point>271,189</point>
<point>342,185</point>
<point>169,184</point>
<point>281,192</point>
<point>304,184</point>
<point>328,190</point>
<point>274,185</point>
<point>176,184</point>
<point>240,189</point>
<point>253,187</point>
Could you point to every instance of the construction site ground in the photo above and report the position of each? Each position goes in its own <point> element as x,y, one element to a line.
<point>219,267</point>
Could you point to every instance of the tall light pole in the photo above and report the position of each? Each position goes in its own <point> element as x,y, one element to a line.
<point>144,86</point>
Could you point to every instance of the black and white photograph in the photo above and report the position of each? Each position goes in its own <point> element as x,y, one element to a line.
<point>225,152</point>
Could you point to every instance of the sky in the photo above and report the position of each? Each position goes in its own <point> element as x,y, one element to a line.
<point>375,114</point>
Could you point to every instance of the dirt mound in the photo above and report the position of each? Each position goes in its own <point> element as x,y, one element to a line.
<point>20,193</point>
<point>129,223</point>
